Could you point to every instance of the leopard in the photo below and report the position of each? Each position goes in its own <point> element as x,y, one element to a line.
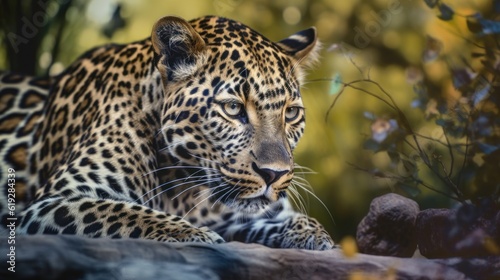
<point>21,105</point>
<point>185,136</point>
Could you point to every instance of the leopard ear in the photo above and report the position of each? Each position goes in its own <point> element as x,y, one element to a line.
<point>303,46</point>
<point>178,47</point>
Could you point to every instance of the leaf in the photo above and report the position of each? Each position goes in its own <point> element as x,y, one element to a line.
<point>487,148</point>
<point>377,173</point>
<point>431,108</point>
<point>482,125</point>
<point>411,190</point>
<point>473,23</point>
<point>372,145</point>
<point>394,156</point>
<point>491,246</point>
<point>441,122</point>
<point>451,127</point>
<point>349,247</point>
<point>462,115</point>
<point>479,25</point>
<point>460,77</point>
<point>409,167</point>
<point>336,84</point>
<point>489,26</point>
<point>446,12</point>
<point>477,55</point>
<point>369,115</point>
<point>480,94</point>
<point>431,3</point>
<point>432,49</point>
<point>420,90</point>
<point>416,103</point>
<point>422,99</point>
<point>414,75</point>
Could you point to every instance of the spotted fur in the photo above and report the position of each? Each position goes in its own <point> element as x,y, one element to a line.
<point>184,136</point>
<point>21,103</point>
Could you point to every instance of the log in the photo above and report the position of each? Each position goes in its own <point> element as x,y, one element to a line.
<point>76,257</point>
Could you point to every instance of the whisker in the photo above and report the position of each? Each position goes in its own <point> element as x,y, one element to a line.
<point>205,159</point>
<point>169,182</point>
<point>203,181</point>
<point>317,198</point>
<point>180,167</point>
<point>160,131</point>
<point>304,172</point>
<point>297,166</point>
<point>169,146</point>
<point>202,192</point>
<point>231,190</point>
<point>303,182</point>
<point>301,186</point>
<point>298,202</point>
<point>229,194</point>
<point>203,200</point>
<point>295,193</point>
<point>207,190</point>
<point>197,185</point>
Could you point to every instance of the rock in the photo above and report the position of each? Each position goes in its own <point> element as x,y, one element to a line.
<point>389,227</point>
<point>468,231</point>
<point>432,227</point>
<point>487,268</point>
<point>44,257</point>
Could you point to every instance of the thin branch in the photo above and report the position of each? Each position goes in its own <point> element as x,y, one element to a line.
<point>385,93</point>
<point>438,191</point>
<point>334,102</point>
<point>409,144</point>
<point>450,151</point>
<point>351,85</point>
<point>450,182</point>
<point>466,154</point>
<point>425,158</point>
<point>355,65</point>
<point>405,123</point>
<point>436,140</point>
<point>382,175</point>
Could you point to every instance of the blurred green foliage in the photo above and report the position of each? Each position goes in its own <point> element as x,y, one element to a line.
<point>391,42</point>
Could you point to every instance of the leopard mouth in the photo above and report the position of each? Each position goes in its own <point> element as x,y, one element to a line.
<point>227,191</point>
<point>252,205</point>
<point>260,205</point>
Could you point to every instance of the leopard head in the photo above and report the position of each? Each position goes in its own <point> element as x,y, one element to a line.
<point>232,105</point>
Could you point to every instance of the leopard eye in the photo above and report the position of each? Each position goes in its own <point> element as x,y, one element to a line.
<point>292,113</point>
<point>233,109</point>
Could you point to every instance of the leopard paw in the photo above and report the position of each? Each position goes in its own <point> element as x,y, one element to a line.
<point>202,235</point>
<point>192,234</point>
<point>303,232</point>
<point>206,235</point>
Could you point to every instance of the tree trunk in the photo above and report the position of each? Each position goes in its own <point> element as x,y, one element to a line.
<point>74,257</point>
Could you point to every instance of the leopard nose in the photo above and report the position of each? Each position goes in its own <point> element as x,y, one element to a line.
<point>269,175</point>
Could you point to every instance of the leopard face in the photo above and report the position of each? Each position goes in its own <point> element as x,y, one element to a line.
<point>233,105</point>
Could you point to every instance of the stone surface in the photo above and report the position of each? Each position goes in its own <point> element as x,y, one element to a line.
<point>432,226</point>
<point>74,257</point>
<point>468,231</point>
<point>389,227</point>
